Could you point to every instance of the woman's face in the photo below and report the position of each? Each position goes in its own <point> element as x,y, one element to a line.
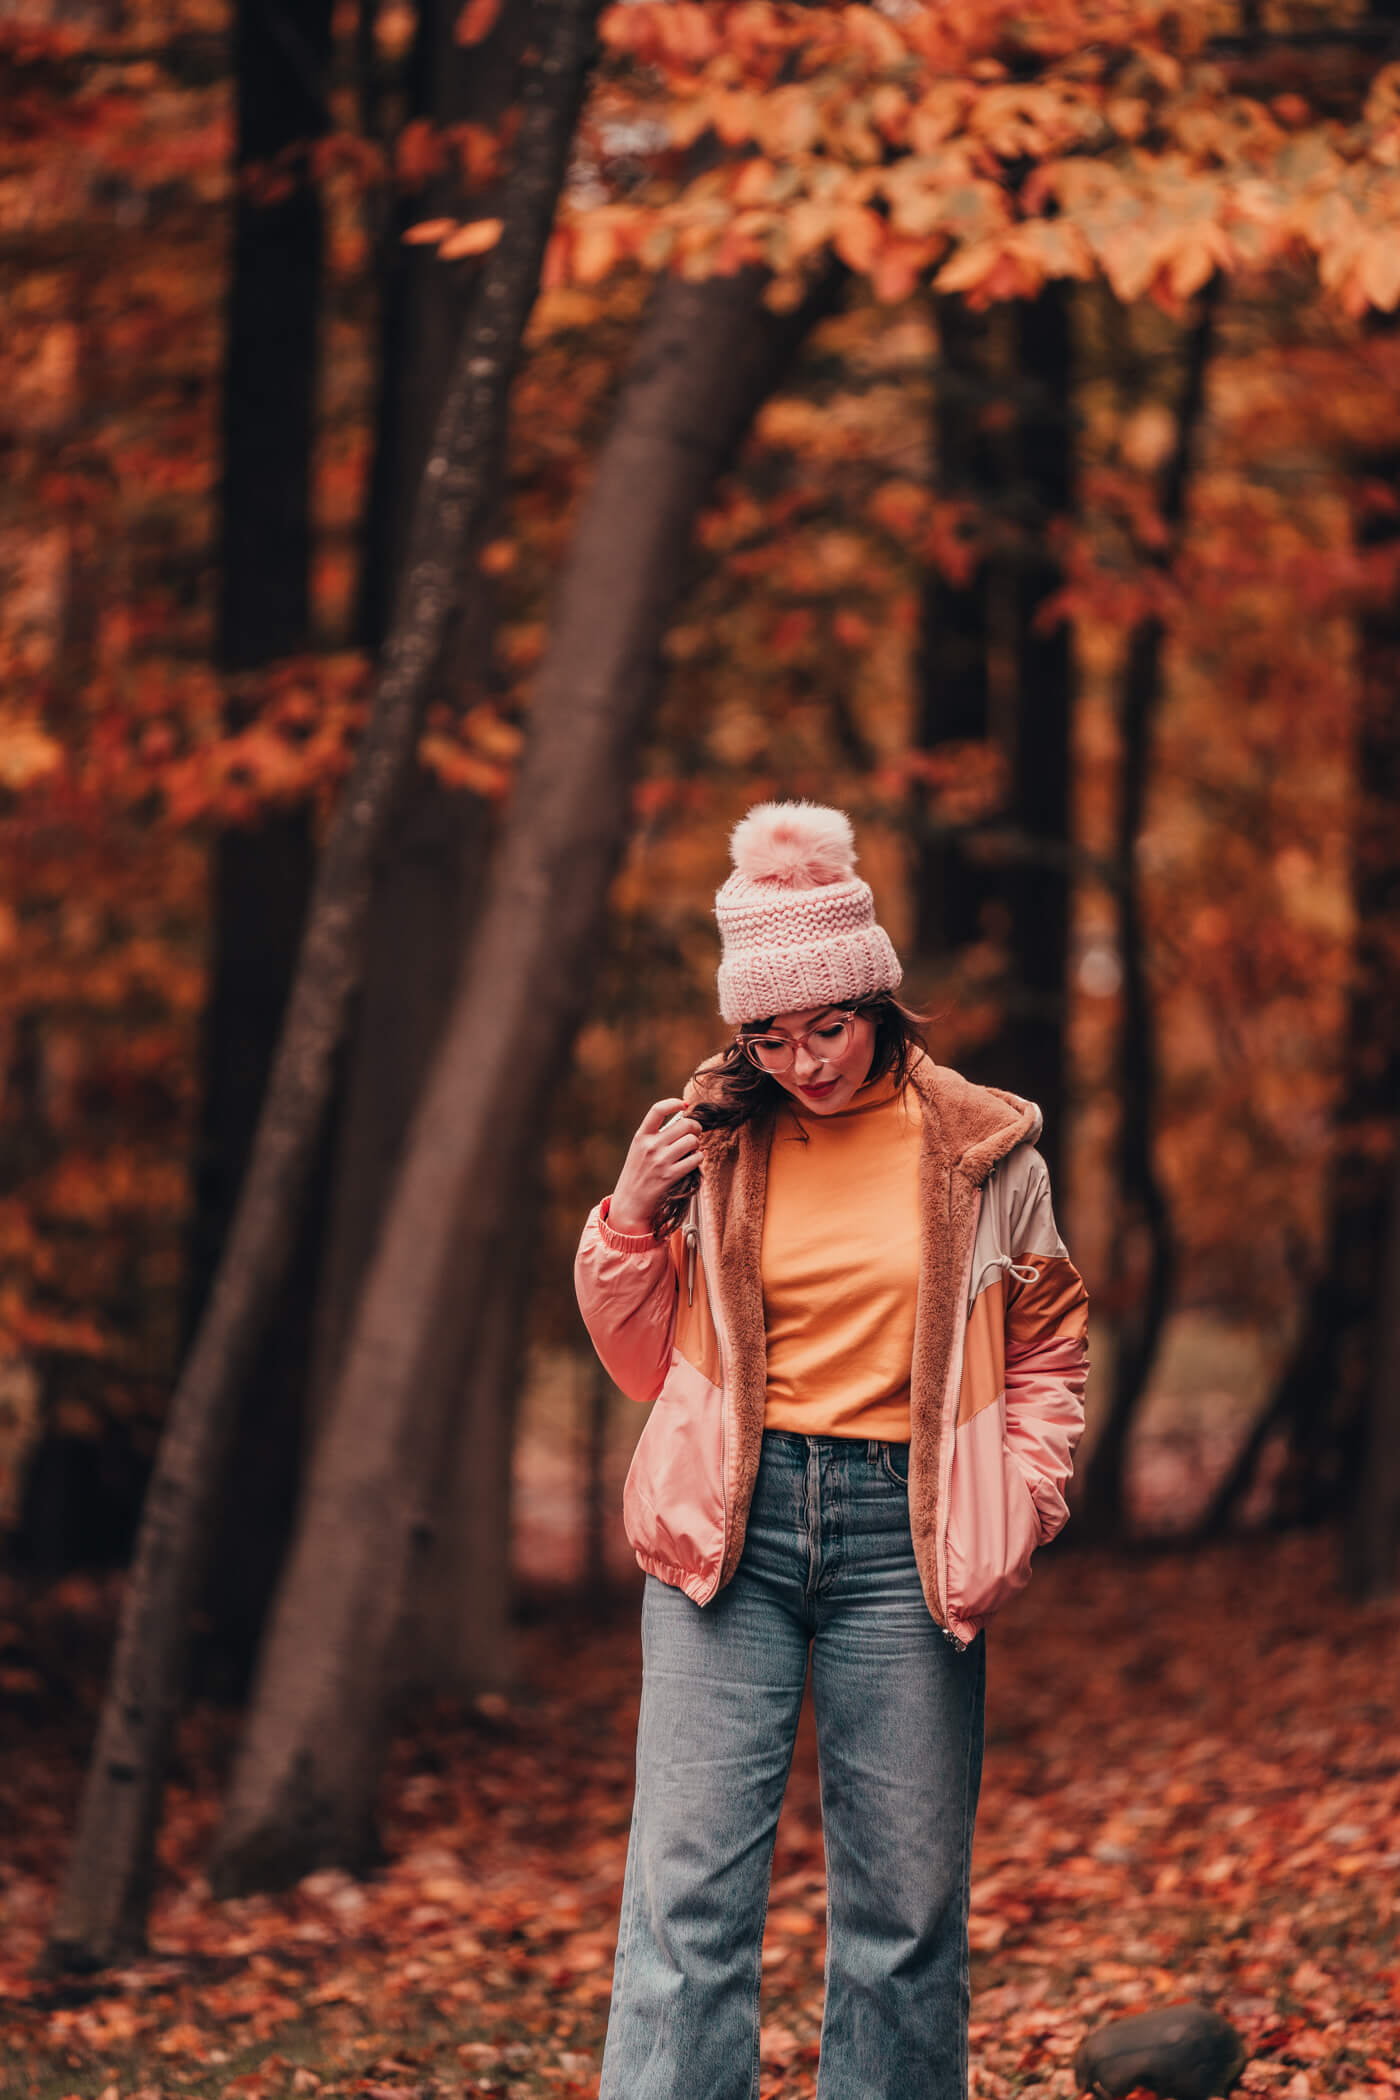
<point>822,1078</point>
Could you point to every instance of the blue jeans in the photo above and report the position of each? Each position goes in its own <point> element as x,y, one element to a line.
<point>827,1568</point>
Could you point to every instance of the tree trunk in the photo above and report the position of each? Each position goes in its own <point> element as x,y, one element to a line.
<point>1366,1231</point>
<point>951,890</point>
<point>1005,447</point>
<point>1032,1050</point>
<point>102,1909</point>
<point>428,882</point>
<point>457,1609</point>
<point>1329,1405</point>
<point>423,904</point>
<point>261,881</point>
<point>307,1770</point>
<point>261,873</point>
<point>416,922</point>
<point>1145,1240</point>
<point>426,303</point>
<point>1334,1402</point>
<point>1371,1541</point>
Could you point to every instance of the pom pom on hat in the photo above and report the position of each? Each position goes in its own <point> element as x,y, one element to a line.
<point>797,923</point>
<point>799,844</point>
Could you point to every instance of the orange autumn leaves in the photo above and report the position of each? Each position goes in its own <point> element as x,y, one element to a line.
<point>987,150</point>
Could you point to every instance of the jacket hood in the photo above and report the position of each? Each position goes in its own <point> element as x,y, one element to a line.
<point>979,1124</point>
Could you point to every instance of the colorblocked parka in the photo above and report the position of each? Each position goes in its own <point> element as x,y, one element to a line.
<point>996,1383</point>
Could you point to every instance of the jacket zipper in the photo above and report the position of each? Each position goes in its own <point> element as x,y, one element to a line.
<point>950,1429</point>
<point>690,1234</point>
<point>710,1263</point>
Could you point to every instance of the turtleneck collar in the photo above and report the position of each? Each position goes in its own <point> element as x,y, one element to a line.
<point>873,1096</point>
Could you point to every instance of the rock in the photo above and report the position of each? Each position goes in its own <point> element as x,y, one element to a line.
<point>1181,2052</point>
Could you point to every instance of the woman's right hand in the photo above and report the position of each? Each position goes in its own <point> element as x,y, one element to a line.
<point>665,1149</point>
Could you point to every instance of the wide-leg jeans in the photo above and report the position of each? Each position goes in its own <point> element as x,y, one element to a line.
<point>827,1569</point>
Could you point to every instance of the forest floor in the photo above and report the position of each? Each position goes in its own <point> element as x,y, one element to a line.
<point>1192,1790</point>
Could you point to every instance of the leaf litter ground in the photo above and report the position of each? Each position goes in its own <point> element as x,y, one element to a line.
<point>1192,1790</point>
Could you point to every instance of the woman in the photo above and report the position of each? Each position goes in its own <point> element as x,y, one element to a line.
<point>834,1267</point>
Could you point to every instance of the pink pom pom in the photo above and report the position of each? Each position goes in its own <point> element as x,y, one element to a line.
<point>799,844</point>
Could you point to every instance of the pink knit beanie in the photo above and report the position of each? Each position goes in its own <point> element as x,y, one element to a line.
<point>797,922</point>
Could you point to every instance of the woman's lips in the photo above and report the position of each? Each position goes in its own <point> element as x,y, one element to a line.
<point>819,1093</point>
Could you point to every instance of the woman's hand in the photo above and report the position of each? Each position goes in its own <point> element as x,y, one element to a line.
<point>665,1149</point>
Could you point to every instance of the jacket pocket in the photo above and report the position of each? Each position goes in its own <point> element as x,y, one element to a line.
<point>673,1503</point>
<point>993,1523</point>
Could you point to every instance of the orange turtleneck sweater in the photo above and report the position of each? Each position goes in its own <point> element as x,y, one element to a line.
<point>841,1266</point>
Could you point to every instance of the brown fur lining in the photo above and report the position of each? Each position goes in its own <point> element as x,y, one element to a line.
<point>736,1175</point>
<point>967,1129</point>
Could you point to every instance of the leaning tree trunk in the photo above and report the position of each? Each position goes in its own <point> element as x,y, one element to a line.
<point>307,1770</point>
<point>101,1913</point>
<point>428,881</point>
<point>457,1610</point>
<point>1144,1230</point>
<point>262,872</point>
<point>423,905</point>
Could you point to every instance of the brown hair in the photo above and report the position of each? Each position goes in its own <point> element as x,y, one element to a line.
<point>737,1092</point>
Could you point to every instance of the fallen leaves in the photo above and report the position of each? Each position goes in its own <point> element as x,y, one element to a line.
<point>1179,1767</point>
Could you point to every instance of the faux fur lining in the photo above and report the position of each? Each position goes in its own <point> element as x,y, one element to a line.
<point>967,1129</point>
<point>736,1181</point>
<point>978,1125</point>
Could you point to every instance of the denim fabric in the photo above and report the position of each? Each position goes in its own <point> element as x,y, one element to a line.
<point>827,1569</point>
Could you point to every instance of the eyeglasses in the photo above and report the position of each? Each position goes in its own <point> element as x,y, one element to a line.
<point>830,1039</point>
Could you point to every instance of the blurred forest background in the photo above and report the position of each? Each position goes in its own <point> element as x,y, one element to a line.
<point>456,460</point>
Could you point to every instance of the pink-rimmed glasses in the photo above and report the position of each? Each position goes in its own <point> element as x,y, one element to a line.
<point>826,1040</point>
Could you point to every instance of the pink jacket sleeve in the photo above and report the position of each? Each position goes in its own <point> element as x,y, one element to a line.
<point>1047,1358</point>
<point>627,1289</point>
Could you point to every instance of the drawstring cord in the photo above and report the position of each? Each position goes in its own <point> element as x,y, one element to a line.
<point>1004,1261</point>
<point>1019,1270</point>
